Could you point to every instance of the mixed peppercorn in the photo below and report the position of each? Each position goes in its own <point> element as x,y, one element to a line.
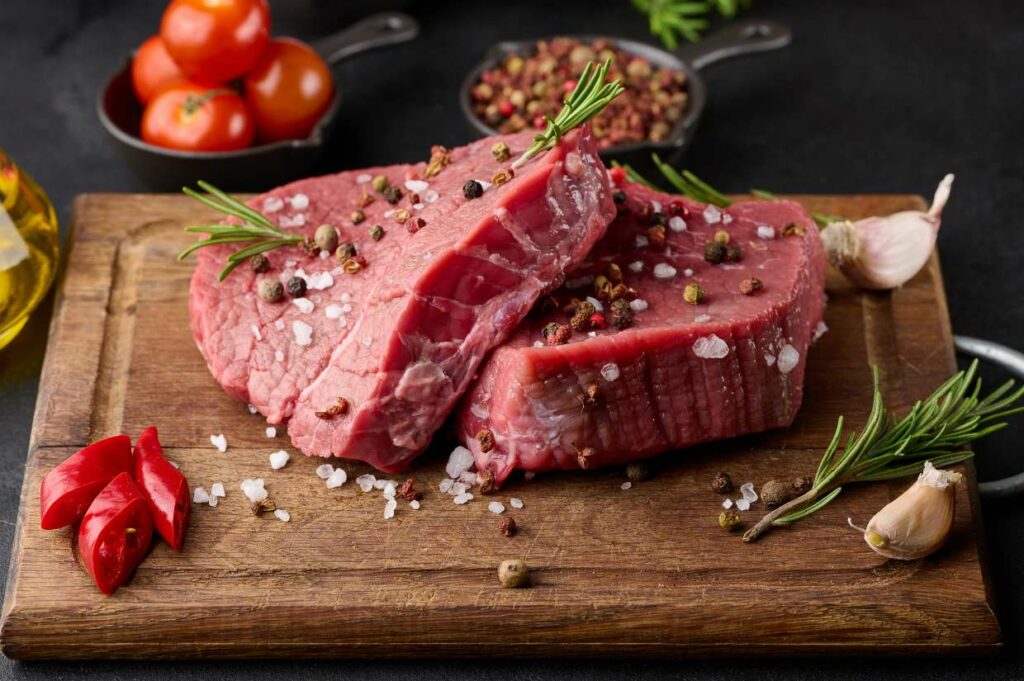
<point>521,90</point>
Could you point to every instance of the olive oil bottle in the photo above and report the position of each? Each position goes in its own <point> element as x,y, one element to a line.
<point>29,247</point>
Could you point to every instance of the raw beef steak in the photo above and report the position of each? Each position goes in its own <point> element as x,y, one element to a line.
<point>677,373</point>
<point>369,363</point>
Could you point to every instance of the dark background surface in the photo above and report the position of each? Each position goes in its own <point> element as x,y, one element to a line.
<point>872,96</point>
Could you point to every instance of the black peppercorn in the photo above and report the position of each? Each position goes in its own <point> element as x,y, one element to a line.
<point>714,252</point>
<point>619,196</point>
<point>657,219</point>
<point>260,263</point>
<point>392,195</point>
<point>297,287</point>
<point>722,484</point>
<point>733,253</point>
<point>472,189</point>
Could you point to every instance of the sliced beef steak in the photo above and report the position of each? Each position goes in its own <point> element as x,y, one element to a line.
<point>396,340</point>
<point>682,373</point>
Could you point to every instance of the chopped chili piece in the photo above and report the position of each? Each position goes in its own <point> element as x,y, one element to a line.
<point>69,488</point>
<point>115,533</point>
<point>164,487</point>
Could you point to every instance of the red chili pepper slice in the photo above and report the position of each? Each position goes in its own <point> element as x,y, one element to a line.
<point>115,533</point>
<point>164,487</point>
<point>69,488</point>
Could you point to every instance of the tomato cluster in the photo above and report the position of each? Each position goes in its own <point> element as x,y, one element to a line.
<point>120,497</point>
<point>214,79</point>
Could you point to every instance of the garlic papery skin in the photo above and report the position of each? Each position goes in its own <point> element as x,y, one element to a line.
<point>916,523</point>
<point>886,252</point>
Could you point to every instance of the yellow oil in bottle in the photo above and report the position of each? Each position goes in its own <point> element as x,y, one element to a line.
<point>29,247</point>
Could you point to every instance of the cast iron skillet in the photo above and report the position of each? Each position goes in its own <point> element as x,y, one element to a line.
<point>251,169</point>
<point>740,38</point>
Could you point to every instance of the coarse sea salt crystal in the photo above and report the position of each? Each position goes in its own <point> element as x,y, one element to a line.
<point>418,206</point>
<point>636,266</point>
<point>389,509</point>
<point>459,461</point>
<point>789,357</point>
<point>213,501</point>
<point>217,489</point>
<point>664,271</point>
<point>303,333</point>
<point>430,196</point>
<point>271,432</point>
<point>596,303</point>
<point>323,471</point>
<point>363,178</point>
<point>747,490</point>
<point>282,515</point>
<point>279,325</point>
<point>655,206</point>
<point>279,355</point>
<point>294,221</point>
<point>414,505</point>
<point>638,305</point>
<point>592,334</point>
<point>726,218</point>
<point>468,478</point>
<point>701,318</point>
<point>712,215</point>
<point>220,442</point>
<point>200,496</point>
<point>463,498</point>
<point>769,358</point>
<point>820,330</point>
<point>496,507</point>
<point>254,490</point>
<point>365,482</point>
<point>173,463</point>
<point>710,347</point>
<point>538,344</point>
<point>300,202</point>
<point>256,332</point>
<point>765,232</point>
<point>458,488</point>
<point>727,504</point>
<point>742,504</point>
<point>389,213</point>
<point>319,281</point>
<point>485,184</point>
<point>381,483</point>
<point>641,241</point>
<point>272,204</point>
<point>339,477</point>
<point>610,372</point>
<point>677,224</point>
<point>446,485</point>
<point>687,272</point>
<point>324,255</point>
<point>515,502</point>
<point>417,185</point>
<point>278,459</point>
<point>625,486</point>
<point>252,409</point>
<point>389,490</point>
<point>305,305</point>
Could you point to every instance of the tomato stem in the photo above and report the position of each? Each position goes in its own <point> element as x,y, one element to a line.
<point>193,103</point>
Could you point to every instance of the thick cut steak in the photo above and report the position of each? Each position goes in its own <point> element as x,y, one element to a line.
<point>399,339</point>
<point>683,373</point>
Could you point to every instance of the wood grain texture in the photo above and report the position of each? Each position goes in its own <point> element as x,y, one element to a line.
<point>643,572</point>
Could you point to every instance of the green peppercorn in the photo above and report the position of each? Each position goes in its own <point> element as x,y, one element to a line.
<point>722,237</point>
<point>326,238</point>
<point>472,189</point>
<point>271,290</point>
<point>714,252</point>
<point>729,520</point>
<point>297,287</point>
<point>380,183</point>
<point>376,232</point>
<point>694,294</point>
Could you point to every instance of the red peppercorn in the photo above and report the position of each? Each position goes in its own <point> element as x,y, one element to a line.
<point>539,122</point>
<point>597,321</point>
<point>506,109</point>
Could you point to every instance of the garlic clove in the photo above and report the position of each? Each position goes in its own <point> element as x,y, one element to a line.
<point>917,522</point>
<point>886,252</point>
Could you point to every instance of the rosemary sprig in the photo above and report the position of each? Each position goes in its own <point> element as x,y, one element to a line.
<point>590,96</point>
<point>255,229</point>
<point>672,19</point>
<point>936,429</point>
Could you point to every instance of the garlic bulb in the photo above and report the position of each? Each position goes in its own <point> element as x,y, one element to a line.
<point>886,252</point>
<point>916,523</point>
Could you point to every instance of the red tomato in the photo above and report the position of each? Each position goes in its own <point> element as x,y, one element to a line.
<point>216,40</point>
<point>115,533</point>
<point>69,488</point>
<point>193,117</point>
<point>288,90</point>
<point>153,69</point>
<point>164,487</point>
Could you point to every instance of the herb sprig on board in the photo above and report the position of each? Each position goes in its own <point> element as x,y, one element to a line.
<point>255,229</point>
<point>671,19</point>
<point>937,429</point>
<point>591,95</point>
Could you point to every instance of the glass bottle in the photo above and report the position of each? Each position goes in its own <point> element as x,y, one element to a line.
<point>29,247</point>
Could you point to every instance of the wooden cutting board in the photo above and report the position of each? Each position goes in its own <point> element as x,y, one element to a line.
<point>640,572</point>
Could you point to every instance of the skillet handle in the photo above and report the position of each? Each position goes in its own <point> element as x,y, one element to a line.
<point>376,30</point>
<point>742,37</point>
<point>1013,362</point>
